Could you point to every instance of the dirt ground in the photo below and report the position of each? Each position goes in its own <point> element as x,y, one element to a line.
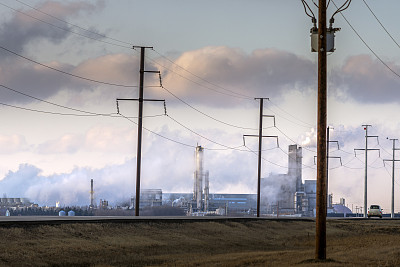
<point>372,242</point>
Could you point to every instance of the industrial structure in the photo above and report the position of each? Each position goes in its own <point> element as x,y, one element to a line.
<point>286,193</point>
<point>9,202</point>
<point>91,206</point>
<point>200,201</point>
<point>148,198</point>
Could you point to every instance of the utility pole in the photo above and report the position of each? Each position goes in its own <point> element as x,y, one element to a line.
<point>366,164</point>
<point>140,121</point>
<point>260,137</point>
<point>328,141</point>
<point>393,160</point>
<point>320,248</point>
<point>322,41</point>
<point>327,161</point>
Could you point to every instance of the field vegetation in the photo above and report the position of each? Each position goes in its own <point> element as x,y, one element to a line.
<point>199,243</point>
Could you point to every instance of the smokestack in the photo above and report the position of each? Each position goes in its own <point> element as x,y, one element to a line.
<point>295,165</point>
<point>91,195</point>
<point>198,178</point>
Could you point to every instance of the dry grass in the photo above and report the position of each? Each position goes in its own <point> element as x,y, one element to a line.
<point>160,243</point>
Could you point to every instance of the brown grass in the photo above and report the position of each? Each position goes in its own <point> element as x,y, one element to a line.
<point>186,243</point>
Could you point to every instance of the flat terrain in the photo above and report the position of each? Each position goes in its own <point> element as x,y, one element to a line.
<point>372,242</point>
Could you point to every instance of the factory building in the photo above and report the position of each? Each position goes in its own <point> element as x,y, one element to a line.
<point>7,202</point>
<point>286,193</point>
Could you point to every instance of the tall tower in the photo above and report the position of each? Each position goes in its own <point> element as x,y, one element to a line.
<point>295,165</point>
<point>91,206</point>
<point>201,182</point>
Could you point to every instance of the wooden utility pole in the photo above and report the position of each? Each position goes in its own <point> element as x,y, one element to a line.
<point>260,137</point>
<point>393,160</point>
<point>142,71</point>
<point>320,248</point>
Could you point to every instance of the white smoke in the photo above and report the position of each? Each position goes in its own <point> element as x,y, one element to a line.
<point>309,139</point>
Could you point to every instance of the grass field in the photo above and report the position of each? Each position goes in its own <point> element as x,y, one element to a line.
<point>186,243</point>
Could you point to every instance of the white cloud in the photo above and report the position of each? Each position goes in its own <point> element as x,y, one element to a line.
<point>13,143</point>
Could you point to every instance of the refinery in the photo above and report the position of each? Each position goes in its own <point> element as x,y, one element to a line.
<point>284,194</point>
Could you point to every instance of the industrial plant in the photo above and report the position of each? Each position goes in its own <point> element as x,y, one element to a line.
<point>281,195</point>
<point>286,193</point>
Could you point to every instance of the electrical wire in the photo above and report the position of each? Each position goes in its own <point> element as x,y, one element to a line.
<point>159,135</point>
<point>114,39</point>
<point>47,102</point>
<point>113,115</point>
<point>74,25</point>
<point>204,137</point>
<point>198,77</point>
<point>281,109</point>
<point>293,140</point>
<point>64,72</point>
<point>370,49</point>
<point>235,94</point>
<point>381,24</point>
<point>264,159</point>
<point>63,29</point>
<point>200,84</point>
<point>306,6</point>
<point>341,8</point>
<point>205,114</point>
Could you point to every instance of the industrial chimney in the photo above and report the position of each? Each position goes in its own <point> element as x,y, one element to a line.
<point>91,206</point>
<point>201,182</point>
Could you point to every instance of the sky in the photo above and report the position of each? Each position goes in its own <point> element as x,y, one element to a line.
<point>64,64</point>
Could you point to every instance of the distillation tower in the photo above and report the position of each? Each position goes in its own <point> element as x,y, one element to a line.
<point>201,182</point>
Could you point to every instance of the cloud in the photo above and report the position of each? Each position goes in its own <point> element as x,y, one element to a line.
<point>265,72</point>
<point>22,29</point>
<point>68,143</point>
<point>367,80</point>
<point>113,68</point>
<point>12,143</point>
<point>106,139</point>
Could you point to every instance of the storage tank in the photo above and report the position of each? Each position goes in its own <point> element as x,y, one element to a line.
<point>62,213</point>
<point>71,213</point>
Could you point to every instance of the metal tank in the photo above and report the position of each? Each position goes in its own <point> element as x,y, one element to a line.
<point>62,213</point>
<point>71,213</point>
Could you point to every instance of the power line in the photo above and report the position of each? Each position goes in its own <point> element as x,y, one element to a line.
<point>159,135</point>
<point>370,49</point>
<point>200,84</point>
<point>205,114</point>
<point>202,79</point>
<point>74,25</point>
<point>124,42</point>
<point>64,72</point>
<point>114,39</point>
<point>381,24</point>
<point>113,115</point>
<point>61,28</point>
<point>45,101</point>
<point>310,125</point>
<point>204,137</point>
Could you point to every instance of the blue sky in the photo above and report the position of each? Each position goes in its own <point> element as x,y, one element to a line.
<point>206,51</point>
